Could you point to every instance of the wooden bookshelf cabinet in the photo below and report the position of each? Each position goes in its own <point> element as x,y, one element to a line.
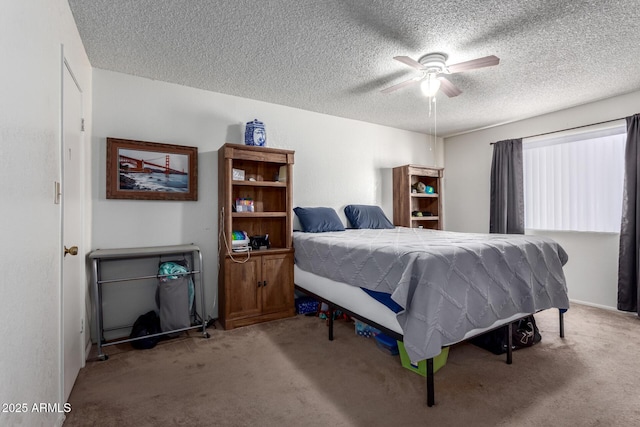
<point>255,286</point>
<point>406,202</point>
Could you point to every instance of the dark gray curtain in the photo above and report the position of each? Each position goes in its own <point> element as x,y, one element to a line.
<point>628,263</point>
<point>507,190</point>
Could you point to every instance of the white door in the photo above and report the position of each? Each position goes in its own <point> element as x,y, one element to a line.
<point>73,286</point>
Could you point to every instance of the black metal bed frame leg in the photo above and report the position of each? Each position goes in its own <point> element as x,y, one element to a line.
<point>509,344</point>
<point>430,385</point>
<point>330,324</point>
<point>561,323</point>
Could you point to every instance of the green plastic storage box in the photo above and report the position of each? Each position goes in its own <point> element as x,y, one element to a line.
<point>421,368</point>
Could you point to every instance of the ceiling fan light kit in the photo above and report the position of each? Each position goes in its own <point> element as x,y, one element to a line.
<point>430,85</point>
<point>434,69</point>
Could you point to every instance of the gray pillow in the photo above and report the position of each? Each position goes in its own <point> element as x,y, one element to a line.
<point>366,216</point>
<point>318,220</point>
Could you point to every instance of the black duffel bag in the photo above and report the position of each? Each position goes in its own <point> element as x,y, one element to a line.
<point>524,333</point>
<point>146,324</point>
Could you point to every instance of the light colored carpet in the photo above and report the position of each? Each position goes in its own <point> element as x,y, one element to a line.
<point>286,373</point>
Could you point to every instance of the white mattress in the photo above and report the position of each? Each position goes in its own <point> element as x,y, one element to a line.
<point>356,300</point>
<point>349,297</point>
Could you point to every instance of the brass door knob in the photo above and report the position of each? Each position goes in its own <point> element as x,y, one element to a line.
<point>73,250</point>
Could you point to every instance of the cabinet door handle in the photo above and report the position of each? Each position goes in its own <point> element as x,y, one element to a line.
<point>264,283</point>
<point>259,283</point>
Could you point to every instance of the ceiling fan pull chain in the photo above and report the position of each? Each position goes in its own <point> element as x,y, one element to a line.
<point>435,120</point>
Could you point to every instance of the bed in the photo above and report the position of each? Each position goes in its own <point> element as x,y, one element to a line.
<point>450,286</point>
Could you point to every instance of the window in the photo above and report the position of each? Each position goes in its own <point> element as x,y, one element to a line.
<point>575,181</point>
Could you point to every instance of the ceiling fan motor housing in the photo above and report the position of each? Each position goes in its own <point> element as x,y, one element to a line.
<point>434,63</point>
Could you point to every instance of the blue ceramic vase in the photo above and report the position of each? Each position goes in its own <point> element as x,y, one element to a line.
<point>254,134</point>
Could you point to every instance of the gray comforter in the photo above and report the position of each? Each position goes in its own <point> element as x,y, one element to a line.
<point>448,283</point>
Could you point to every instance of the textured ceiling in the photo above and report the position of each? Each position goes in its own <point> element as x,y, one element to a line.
<point>334,57</point>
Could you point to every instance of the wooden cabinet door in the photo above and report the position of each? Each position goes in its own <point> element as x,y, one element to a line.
<point>277,285</point>
<point>242,296</point>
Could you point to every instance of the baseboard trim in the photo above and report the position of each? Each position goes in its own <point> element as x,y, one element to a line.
<point>604,307</point>
<point>591,304</point>
<point>87,351</point>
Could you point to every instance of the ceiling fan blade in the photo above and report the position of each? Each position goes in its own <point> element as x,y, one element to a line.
<point>448,88</point>
<point>410,62</point>
<point>486,61</point>
<point>400,85</point>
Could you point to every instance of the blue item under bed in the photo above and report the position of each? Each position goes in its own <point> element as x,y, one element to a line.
<point>385,299</point>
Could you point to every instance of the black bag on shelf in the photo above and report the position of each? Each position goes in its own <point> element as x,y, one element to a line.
<point>146,324</point>
<point>524,333</point>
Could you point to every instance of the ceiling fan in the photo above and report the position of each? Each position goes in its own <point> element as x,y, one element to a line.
<point>433,72</point>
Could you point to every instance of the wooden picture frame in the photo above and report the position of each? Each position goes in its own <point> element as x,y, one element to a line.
<point>143,170</point>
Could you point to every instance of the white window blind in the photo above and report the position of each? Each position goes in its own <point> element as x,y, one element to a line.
<point>575,182</point>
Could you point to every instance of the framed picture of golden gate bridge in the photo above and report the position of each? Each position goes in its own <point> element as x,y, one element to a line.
<point>151,171</point>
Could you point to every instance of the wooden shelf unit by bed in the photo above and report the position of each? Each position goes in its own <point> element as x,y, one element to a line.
<point>405,201</point>
<point>259,288</point>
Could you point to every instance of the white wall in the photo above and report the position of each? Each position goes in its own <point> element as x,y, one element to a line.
<point>31,34</point>
<point>337,161</point>
<point>593,257</point>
